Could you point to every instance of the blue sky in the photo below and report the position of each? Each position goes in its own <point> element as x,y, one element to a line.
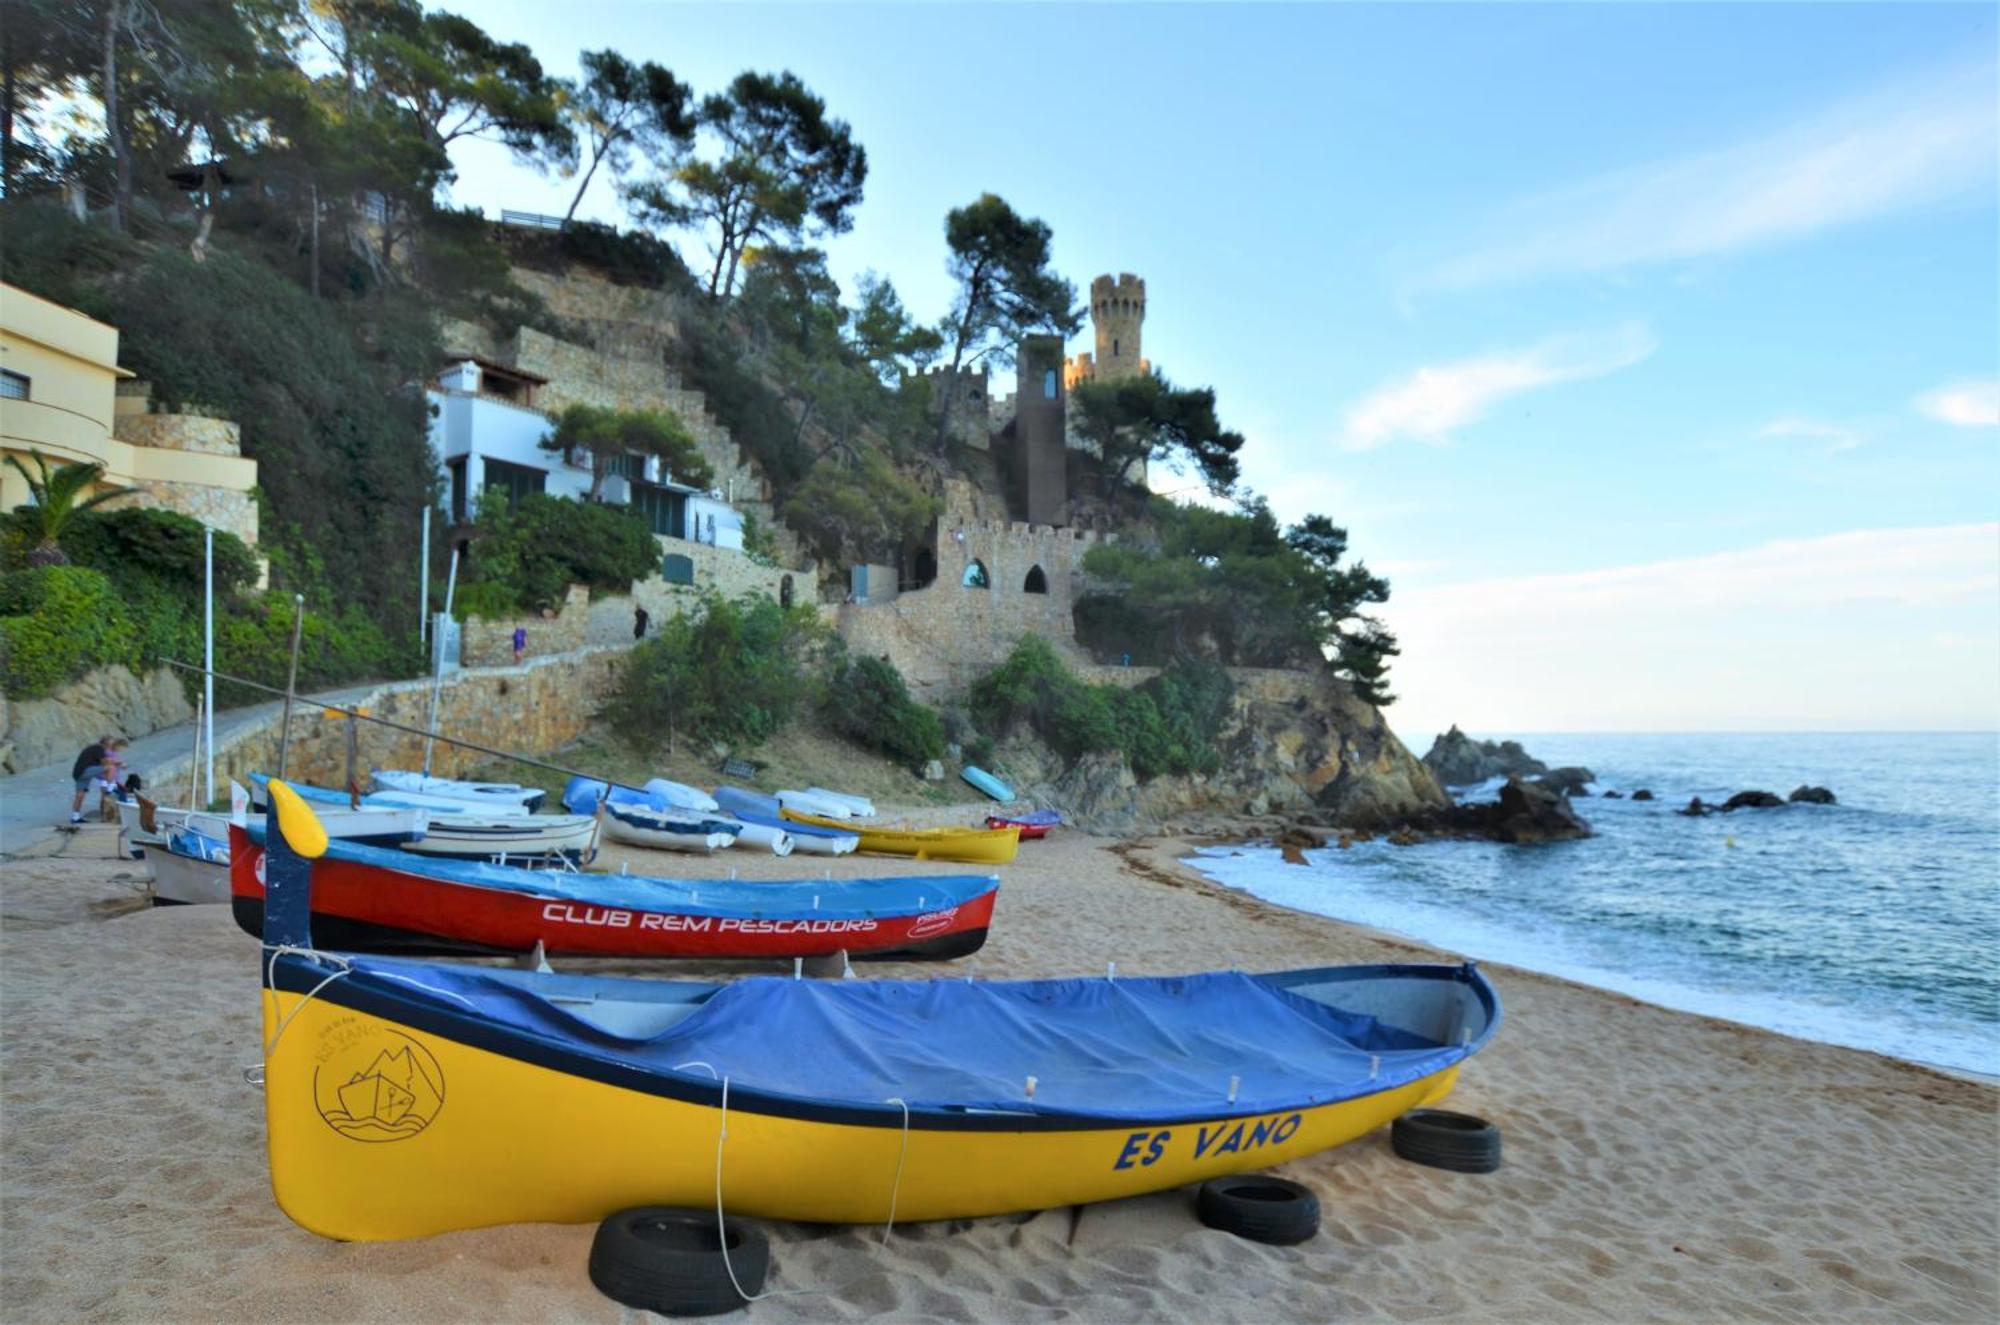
<point>1651,350</point>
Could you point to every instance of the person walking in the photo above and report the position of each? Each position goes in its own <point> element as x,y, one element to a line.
<point>96,765</point>
<point>640,620</point>
<point>520,643</point>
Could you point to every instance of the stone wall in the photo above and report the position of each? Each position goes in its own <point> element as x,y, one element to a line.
<point>490,643</point>
<point>945,636</point>
<point>533,708</point>
<point>227,509</point>
<point>720,570</point>
<point>110,700</point>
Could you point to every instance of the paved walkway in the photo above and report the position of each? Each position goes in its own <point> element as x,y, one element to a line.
<point>36,802</point>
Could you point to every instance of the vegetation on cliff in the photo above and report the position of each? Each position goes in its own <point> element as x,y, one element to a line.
<point>525,554</point>
<point>1234,587</point>
<point>1164,726</point>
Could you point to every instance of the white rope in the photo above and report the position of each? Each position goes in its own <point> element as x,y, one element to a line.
<point>271,983</point>
<point>901,1156</point>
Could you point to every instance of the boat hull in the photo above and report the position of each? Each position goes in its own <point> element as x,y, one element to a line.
<point>486,1103</point>
<point>367,907</point>
<point>973,846</point>
<point>185,880</point>
<point>1029,832</point>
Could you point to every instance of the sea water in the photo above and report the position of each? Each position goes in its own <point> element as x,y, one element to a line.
<point>1873,923</point>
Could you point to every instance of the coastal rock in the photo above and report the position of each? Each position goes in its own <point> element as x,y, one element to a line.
<point>1751,800</point>
<point>1525,813</point>
<point>1299,745</point>
<point>1459,761</point>
<point>1614,795</point>
<point>1811,796</point>
<point>1568,781</point>
<point>933,771</point>
<point>1695,809</point>
<point>1642,795</point>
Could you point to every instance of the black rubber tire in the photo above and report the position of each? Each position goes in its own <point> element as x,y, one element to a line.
<point>1259,1207</point>
<point>1446,1140</point>
<point>668,1259</point>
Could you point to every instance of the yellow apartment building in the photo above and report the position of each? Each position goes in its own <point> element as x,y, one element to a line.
<point>62,393</point>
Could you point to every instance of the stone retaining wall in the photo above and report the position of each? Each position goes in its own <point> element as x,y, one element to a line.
<point>490,643</point>
<point>533,708</point>
<point>722,570</point>
<point>35,732</point>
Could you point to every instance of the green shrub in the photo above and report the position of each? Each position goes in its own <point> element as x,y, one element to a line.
<point>735,672</point>
<point>254,641</point>
<point>1165,726</point>
<point>867,702</point>
<point>56,623</point>
<point>526,554</point>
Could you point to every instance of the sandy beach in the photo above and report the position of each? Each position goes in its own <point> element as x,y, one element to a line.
<point>1659,1166</point>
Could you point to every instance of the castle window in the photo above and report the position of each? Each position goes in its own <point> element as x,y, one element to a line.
<point>975,575</point>
<point>1114,347</point>
<point>1049,384</point>
<point>1036,581</point>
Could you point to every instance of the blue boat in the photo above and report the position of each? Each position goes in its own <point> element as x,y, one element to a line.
<point>987,783</point>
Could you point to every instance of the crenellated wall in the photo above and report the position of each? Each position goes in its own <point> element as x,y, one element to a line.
<point>948,634</point>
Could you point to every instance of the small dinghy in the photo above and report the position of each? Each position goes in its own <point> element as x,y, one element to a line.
<point>189,866</point>
<point>487,795</point>
<point>859,806</point>
<point>1033,825</point>
<point>375,900</point>
<point>500,1095</point>
<point>759,813</point>
<point>812,803</point>
<point>666,830</point>
<point>987,783</point>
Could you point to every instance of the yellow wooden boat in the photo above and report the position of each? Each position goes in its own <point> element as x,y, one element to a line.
<point>408,1098</point>
<point>975,846</point>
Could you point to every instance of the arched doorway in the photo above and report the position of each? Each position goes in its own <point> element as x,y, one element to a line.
<point>975,575</point>
<point>923,568</point>
<point>1036,581</point>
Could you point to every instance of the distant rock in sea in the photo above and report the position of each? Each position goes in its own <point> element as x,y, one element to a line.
<point>1752,800</point>
<point>1695,809</point>
<point>1614,795</point>
<point>1459,761</point>
<point>1568,781</point>
<point>1811,796</point>
<point>1642,795</point>
<point>1526,812</point>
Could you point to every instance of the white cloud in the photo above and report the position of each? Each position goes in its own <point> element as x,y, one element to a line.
<point>1908,145</point>
<point>1839,436</point>
<point>1843,631</point>
<point>1433,402</point>
<point>1964,404</point>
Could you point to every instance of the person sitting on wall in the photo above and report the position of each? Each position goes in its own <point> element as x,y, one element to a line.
<point>96,766</point>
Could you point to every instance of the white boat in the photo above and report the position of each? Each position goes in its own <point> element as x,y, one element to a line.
<point>492,796</point>
<point>813,803</point>
<point>861,806</point>
<point>188,866</point>
<point>639,826</point>
<point>462,832</point>
<point>526,836</point>
<point>764,837</point>
<point>681,794</point>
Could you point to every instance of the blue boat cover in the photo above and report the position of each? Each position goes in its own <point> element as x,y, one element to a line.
<point>582,794</point>
<point>1160,1050</point>
<point>797,899</point>
<point>199,845</point>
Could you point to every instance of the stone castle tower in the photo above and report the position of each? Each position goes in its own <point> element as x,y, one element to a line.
<point>1118,312</point>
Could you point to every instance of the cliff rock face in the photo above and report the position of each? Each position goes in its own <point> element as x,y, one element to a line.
<point>1460,761</point>
<point>1295,744</point>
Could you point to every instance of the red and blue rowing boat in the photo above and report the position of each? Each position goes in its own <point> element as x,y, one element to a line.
<point>366,899</point>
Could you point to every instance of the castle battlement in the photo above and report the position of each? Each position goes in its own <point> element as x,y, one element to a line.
<point>1125,296</point>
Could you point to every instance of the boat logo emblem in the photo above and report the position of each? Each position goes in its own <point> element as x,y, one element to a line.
<point>379,1087</point>
<point>257,862</point>
<point>933,922</point>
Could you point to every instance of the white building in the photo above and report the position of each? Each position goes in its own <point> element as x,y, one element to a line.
<point>488,434</point>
